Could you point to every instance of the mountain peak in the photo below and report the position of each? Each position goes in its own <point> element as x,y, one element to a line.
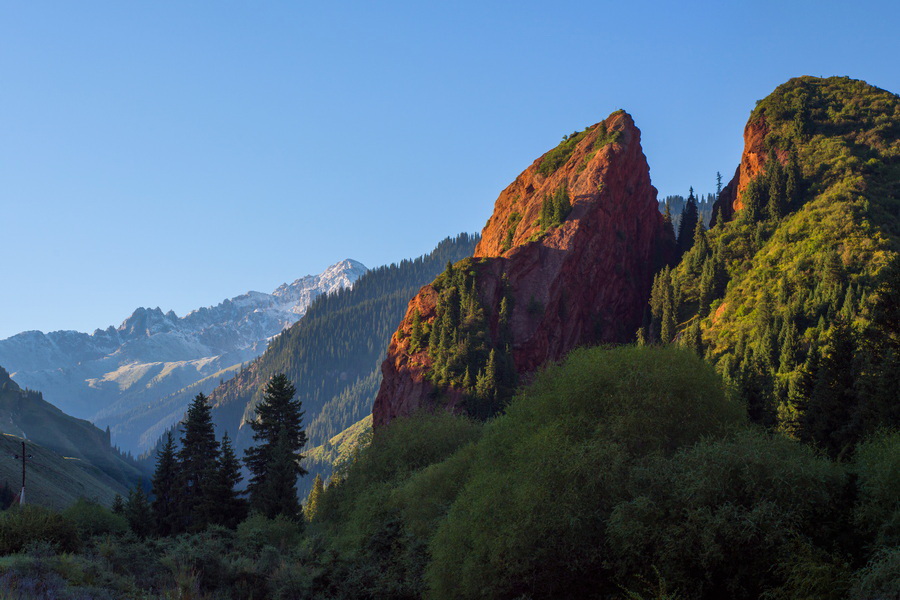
<point>576,166</point>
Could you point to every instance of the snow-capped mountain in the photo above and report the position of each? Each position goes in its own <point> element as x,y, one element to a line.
<point>153,354</point>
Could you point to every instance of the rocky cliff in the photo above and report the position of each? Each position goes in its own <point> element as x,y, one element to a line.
<point>566,259</point>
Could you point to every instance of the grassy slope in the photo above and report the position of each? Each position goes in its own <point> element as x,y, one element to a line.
<point>53,480</point>
<point>25,413</point>
<point>323,459</point>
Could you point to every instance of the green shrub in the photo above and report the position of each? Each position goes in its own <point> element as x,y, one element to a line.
<point>720,519</point>
<point>424,500</point>
<point>557,157</point>
<point>376,551</point>
<point>880,579</point>
<point>258,531</point>
<point>877,467</point>
<point>202,558</point>
<point>547,474</point>
<point>21,526</point>
<point>92,519</point>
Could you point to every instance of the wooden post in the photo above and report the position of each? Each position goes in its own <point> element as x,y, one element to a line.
<point>22,495</point>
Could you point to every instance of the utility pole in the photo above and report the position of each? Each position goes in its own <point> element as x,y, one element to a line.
<point>24,457</point>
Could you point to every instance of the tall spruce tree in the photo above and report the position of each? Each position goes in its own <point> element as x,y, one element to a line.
<point>165,489</point>
<point>278,495</point>
<point>137,512</point>
<point>232,508</point>
<point>689,218</point>
<point>278,429</point>
<point>828,421</point>
<point>311,508</point>
<point>199,460</point>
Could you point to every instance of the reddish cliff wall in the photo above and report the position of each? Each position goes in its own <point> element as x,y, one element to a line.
<point>753,160</point>
<point>585,281</point>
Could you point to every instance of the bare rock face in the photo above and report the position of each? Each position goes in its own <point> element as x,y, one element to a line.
<point>753,161</point>
<point>581,279</point>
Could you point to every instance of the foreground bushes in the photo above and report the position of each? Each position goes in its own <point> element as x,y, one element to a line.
<point>623,472</point>
<point>20,527</point>
<point>548,475</point>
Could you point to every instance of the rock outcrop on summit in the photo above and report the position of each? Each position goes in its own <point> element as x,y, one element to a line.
<point>566,259</point>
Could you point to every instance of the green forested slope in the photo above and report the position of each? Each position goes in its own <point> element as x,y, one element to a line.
<point>791,298</point>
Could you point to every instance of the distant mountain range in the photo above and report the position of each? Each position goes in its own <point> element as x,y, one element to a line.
<point>129,377</point>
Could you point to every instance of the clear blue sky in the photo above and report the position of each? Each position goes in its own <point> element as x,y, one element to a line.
<point>173,154</point>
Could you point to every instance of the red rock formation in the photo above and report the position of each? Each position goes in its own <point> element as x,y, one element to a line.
<point>586,281</point>
<point>752,162</point>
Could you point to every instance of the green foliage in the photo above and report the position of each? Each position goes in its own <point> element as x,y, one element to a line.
<point>535,506</point>
<point>880,578</point>
<point>232,508</point>
<point>197,467</point>
<point>876,465</point>
<point>557,157</point>
<point>137,512</point>
<point>311,506</point>
<point>555,209</point>
<point>733,525</point>
<point>259,531</point>
<point>21,526</point>
<point>92,519</point>
<point>464,355</point>
<point>512,223</point>
<point>786,292</point>
<point>378,538</point>
<point>275,462</point>
<point>165,488</point>
<point>690,219</point>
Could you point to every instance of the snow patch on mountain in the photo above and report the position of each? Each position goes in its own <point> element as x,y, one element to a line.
<point>153,354</point>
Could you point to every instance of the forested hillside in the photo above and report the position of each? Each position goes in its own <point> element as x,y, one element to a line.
<point>793,293</point>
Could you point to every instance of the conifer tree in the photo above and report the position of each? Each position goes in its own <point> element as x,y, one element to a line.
<point>775,174</point>
<point>707,282</point>
<point>667,327</point>
<point>278,494</point>
<point>828,419</point>
<point>165,489</point>
<point>311,508</point>
<point>754,201</point>
<point>232,508</point>
<point>416,333</point>
<point>199,465</point>
<point>137,512</point>
<point>701,247</point>
<point>689,218</point>
<point>667,221</point>
<point>278,429</point>
<point>118,505</point>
